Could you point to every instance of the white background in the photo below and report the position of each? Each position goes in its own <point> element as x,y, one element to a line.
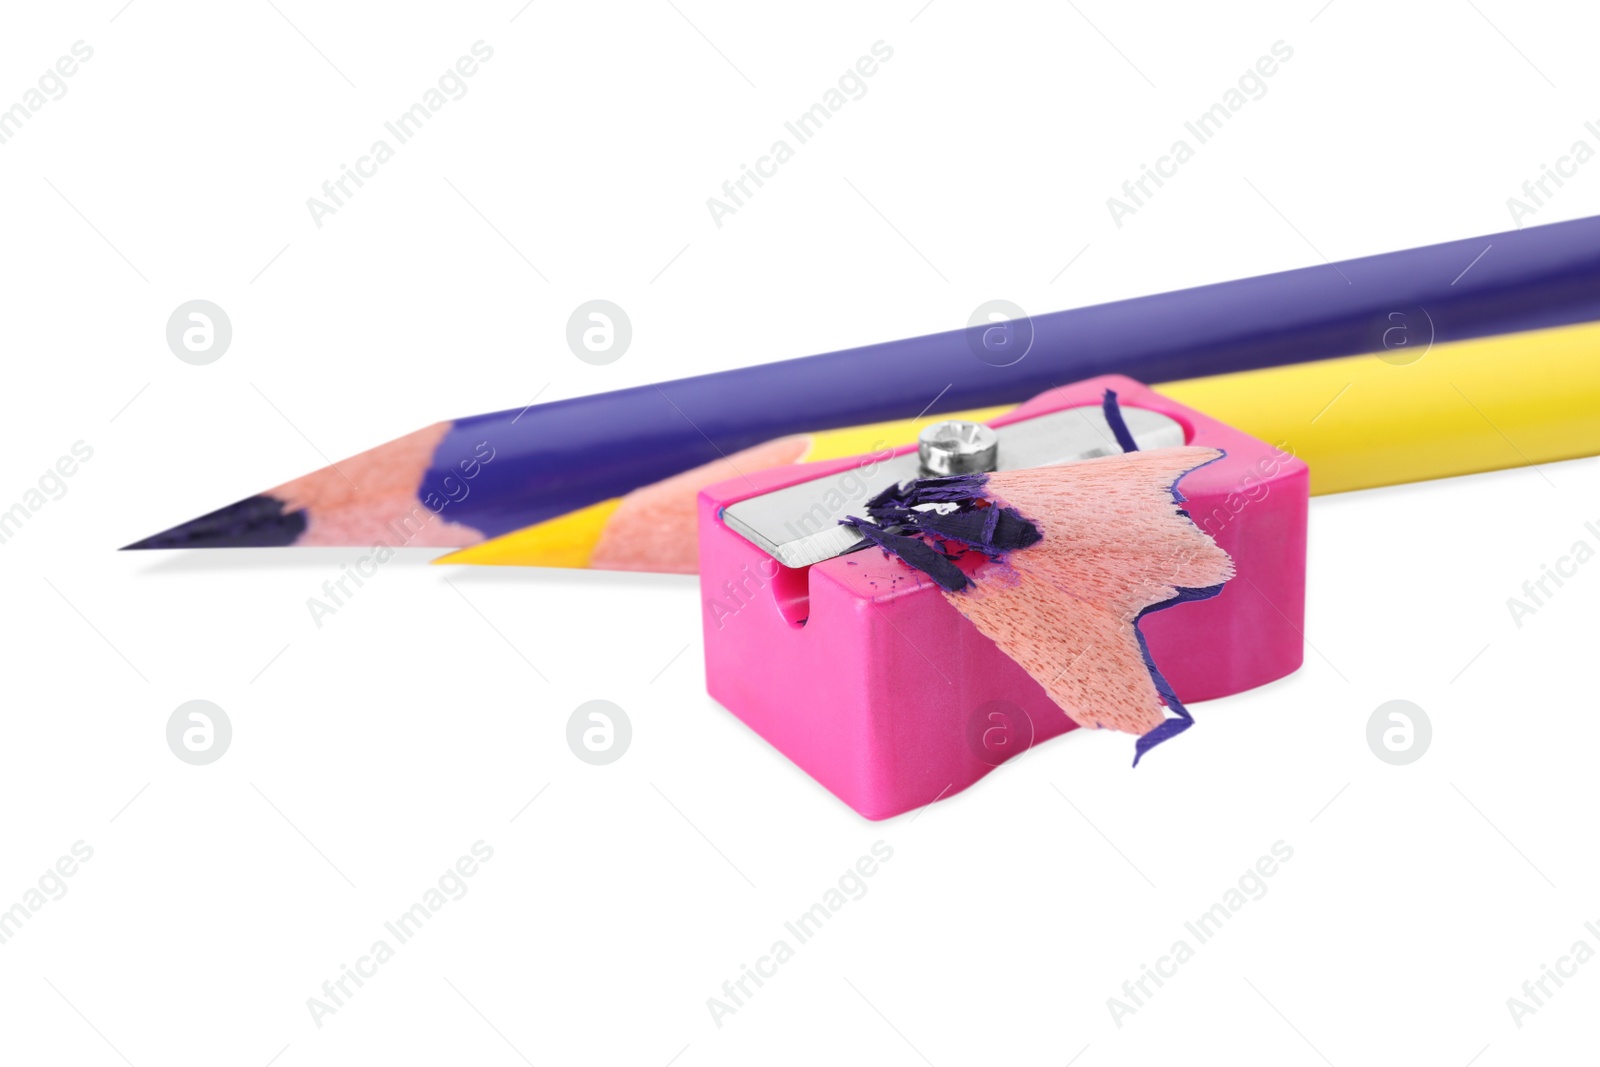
<point>370,753</point>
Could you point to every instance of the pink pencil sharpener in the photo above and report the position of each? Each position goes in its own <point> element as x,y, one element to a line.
<point>856,667</point>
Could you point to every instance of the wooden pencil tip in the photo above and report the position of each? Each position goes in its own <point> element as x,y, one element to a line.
<point>255,522</point>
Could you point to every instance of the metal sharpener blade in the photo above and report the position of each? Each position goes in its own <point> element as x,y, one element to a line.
<point>799,525</point>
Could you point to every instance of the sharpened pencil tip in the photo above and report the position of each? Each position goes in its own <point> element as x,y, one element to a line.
<point>255,522</point>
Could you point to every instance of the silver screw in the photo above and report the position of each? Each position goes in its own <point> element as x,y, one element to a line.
<point>958,447</point>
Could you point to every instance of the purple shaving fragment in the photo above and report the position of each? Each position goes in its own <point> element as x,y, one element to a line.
<point>950,489</point>
<point>1119,425</point>
<point>914,553</point>
<point>963,517</point>
<point>993,531</point>
<point>1182,720</point>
